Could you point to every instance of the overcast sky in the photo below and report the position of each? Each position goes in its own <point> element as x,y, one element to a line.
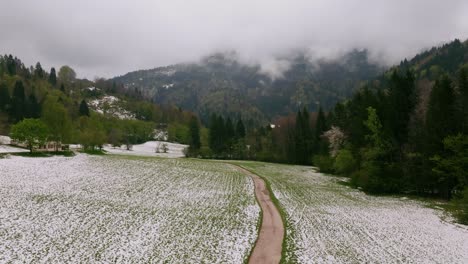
<point>111,37</point>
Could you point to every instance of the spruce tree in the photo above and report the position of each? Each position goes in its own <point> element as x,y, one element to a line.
<point>53,77</point>
<point>38,71</point>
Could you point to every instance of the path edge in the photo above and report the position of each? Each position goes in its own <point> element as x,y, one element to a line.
<point>278,206</point>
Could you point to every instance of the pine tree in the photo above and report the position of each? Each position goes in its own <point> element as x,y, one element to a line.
<point>53,77</point>
<point>62,88</point>
<point>84,110</point>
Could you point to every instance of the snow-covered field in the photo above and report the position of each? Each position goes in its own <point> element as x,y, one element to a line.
<point>5,148</point>
<point>114,209</point>
<point>332,223</point>
<point>174,150</point>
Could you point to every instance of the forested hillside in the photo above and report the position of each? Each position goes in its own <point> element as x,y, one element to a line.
<point>222,84</point>
<point>81,111</point>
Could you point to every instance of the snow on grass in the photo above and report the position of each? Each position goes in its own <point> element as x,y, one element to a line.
<point>11,149</point>
<point>174,150</point>
<point>89,209</point>
<point>332,223</point>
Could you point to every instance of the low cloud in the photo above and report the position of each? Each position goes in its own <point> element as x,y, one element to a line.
<point>111,37</point>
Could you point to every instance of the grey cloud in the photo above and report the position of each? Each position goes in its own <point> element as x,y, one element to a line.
<point>111,37</point>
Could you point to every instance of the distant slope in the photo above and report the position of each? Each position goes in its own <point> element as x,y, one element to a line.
<point>223,85</point>
<point>431,63</point>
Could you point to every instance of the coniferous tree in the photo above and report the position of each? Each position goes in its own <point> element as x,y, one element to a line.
<point>240,129</point>
<point>34,108</point>
<point>230,134</point>
<point>11,65</point>
<point>38,71</point>
<point>84,109</point>
<point>18,105</point>
<point>320,128</point>
<point>463,100</point>
<point>195,143</point>
<point>4,96</point>
<point>53,77</point>
<point>440,119</point>
<point>62,88</point>
<point>401,102</point>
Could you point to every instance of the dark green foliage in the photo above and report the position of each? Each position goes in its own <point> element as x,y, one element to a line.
<point>18,103</point>
<point>4,97</point>
<point>324,163</point>
<point>463,99</point>
<point>400,103</point>
<point>38,71</point>
<point>240,129</point>
<point>441,114</point>
<point>84,109</point>
<point>10,65</point>
<point>33,107</point>
<point>460,206</point>
<point>451,167</point>
<point>195,143</point>
<point>53,77</point>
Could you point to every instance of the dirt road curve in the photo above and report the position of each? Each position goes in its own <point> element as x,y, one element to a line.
<point>267,249</point>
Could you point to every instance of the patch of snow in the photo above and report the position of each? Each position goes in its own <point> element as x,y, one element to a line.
<point>11,149</point>
<point>108,105</point>
<point>174,150</point>
<point>167,86</point>
<point>5,140</point>
<point>92,88</point>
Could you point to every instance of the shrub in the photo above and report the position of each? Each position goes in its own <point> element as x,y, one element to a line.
<point>324,163</point>
<point>460,206</point>
<point>345,163</point>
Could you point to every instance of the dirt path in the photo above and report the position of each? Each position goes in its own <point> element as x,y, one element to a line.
<point>267,249</point>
